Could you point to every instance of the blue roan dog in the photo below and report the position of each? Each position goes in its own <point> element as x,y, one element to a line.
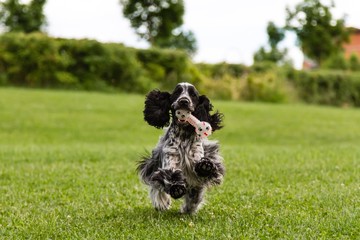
<point>182,164</point>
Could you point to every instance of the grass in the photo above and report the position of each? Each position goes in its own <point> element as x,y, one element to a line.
<point>67,171</point>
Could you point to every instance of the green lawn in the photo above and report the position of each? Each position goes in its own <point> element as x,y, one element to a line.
<point>67,171</point>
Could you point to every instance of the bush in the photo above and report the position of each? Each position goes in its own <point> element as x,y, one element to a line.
<point>328,87</point>
<point>336,62</point>
<point>36,60</point>
<point>265,87</point>
<point>226,88</point>
<point>29,60</point>
<point>354,63</point>
<point>252,85</point>
<point>221,70</point>
<point>168,67</point>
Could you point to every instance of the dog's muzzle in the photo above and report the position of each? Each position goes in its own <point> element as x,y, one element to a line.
<point>183,103</point>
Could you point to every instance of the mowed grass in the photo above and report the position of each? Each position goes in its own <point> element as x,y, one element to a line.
<point>68,159</point>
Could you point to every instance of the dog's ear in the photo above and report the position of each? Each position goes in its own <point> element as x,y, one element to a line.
<point>202,112</point>
<point>157,108</point>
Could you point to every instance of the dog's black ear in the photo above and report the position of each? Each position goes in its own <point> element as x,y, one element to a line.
<point>157,108</point>
<point>202,112</point>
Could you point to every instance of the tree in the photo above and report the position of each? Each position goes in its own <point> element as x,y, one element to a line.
<point>181,40</point>
<point>319,34</point>
<point>275,36</point>
<point>159,22</point>
<point>17,17</point>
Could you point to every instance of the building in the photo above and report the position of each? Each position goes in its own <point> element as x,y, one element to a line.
<point>353,47</point>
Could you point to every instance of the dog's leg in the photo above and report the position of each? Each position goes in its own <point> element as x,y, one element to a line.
<point>210,168</point>
<point>205,168</point>
<point>169,181</point>
<point>169,177</point>
<point>193,200</point>
<point>160,200</point>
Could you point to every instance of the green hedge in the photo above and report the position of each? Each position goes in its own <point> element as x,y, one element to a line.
<point>168,67</point>
<point>36,60</point>
<point>220,70</point>
<point>329,87</point>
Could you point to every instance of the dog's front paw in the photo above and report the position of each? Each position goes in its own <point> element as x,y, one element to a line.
<point>205,168</point>
<point>177,191</point>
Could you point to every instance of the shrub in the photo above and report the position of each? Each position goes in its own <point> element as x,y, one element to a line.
<point>29,60</point>
<point>36,60</point>
<point>226,88</point>
<point>328,87</point>
<point>265,87</point>
<point>221,70</point>
<point>98,65</point>
<point>168,67</point>
<point>336,62</point>
<point>354,63</point>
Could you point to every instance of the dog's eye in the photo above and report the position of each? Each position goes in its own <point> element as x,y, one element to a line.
<point>192,93</point>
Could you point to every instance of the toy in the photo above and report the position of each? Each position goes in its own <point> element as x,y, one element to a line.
<point>202,129</point>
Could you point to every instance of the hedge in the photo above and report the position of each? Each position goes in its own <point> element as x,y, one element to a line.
<point>36,60</point>
<point>329,87</point>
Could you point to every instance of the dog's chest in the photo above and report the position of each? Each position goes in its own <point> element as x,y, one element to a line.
<point>188,151</point>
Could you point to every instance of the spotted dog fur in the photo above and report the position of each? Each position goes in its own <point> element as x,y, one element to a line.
<point>182,164</point>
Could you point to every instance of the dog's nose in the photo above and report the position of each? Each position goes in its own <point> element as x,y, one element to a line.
<point>184,102</point>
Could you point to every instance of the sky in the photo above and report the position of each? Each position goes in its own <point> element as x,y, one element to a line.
<point>226,30</point>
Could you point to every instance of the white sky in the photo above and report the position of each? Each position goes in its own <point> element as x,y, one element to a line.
<point>226,30</point>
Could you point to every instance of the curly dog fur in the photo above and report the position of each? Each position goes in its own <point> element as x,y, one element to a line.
<point>182,164</point>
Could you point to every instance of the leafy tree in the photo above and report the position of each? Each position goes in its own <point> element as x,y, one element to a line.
<point>154,19</point>
<point>18,17</point>
<point>182,40</point>
<point>275,36</point>
<point>159,22</point>
<point>319,34</point>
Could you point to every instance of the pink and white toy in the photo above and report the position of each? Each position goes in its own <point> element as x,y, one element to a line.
<point>202,129</point>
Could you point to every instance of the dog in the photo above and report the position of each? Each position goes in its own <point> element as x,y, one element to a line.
<point>182,164</point>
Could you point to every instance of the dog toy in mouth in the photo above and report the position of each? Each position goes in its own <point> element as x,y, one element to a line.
<point>202,129</point>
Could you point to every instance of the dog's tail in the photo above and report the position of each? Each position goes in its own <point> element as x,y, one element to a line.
<point>146,167</point>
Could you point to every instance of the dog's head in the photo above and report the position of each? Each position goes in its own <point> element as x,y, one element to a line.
<point>160,106</point>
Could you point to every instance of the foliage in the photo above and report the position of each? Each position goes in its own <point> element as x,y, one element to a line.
<point>184,40</point>
<point>66,63</point>
<point>340,62</point>
<point>354,63</point>
<point>18,17</point>
<point>319,34</point>
<point>264,87</point>
<point>273,55</point>
<point>275,36</point>
<point>168,67</point>
<point>88,64</point>
<point>336,62</point>
<point>218,70</point>
<point>159,22</point>
<point>154,20</point>
<point>263,82</point>
<point>68,161</point>
<point>337,88</point>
